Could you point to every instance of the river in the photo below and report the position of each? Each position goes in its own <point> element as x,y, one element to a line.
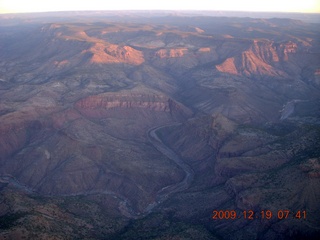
<point>165,192</point>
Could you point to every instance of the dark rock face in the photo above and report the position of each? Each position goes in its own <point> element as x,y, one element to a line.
<point>103,105</point>
<point>110,126</point>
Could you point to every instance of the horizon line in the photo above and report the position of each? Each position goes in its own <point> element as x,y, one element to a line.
<point>154,10</point>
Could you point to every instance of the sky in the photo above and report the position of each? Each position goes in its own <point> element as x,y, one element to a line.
<point>17,6</point>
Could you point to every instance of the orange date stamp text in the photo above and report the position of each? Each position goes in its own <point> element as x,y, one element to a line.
<point>263,214</point>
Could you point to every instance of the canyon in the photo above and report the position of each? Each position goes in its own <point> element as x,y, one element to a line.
<point>124,126</point>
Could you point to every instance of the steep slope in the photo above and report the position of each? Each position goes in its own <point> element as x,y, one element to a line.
<point>271,168</point>
<point>262,59</point>
<point>76,160</point>
<point>56,151</point>
<point>129,114</point>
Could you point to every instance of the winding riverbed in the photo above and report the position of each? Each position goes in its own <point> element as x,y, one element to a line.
<point>189,174</point>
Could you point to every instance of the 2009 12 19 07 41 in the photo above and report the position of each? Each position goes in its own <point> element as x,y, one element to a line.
<point>263,214</point>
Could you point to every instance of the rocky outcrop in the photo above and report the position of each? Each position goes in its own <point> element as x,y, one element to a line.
<point>108,101</point>
<point>129,114</point>
<point>228,66</point>
<point>101,105</point>
<point>286,48</point>
<point>259,59</point>
<point>183,58</point>
<point>111,53</point>
<point>171,53</point>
